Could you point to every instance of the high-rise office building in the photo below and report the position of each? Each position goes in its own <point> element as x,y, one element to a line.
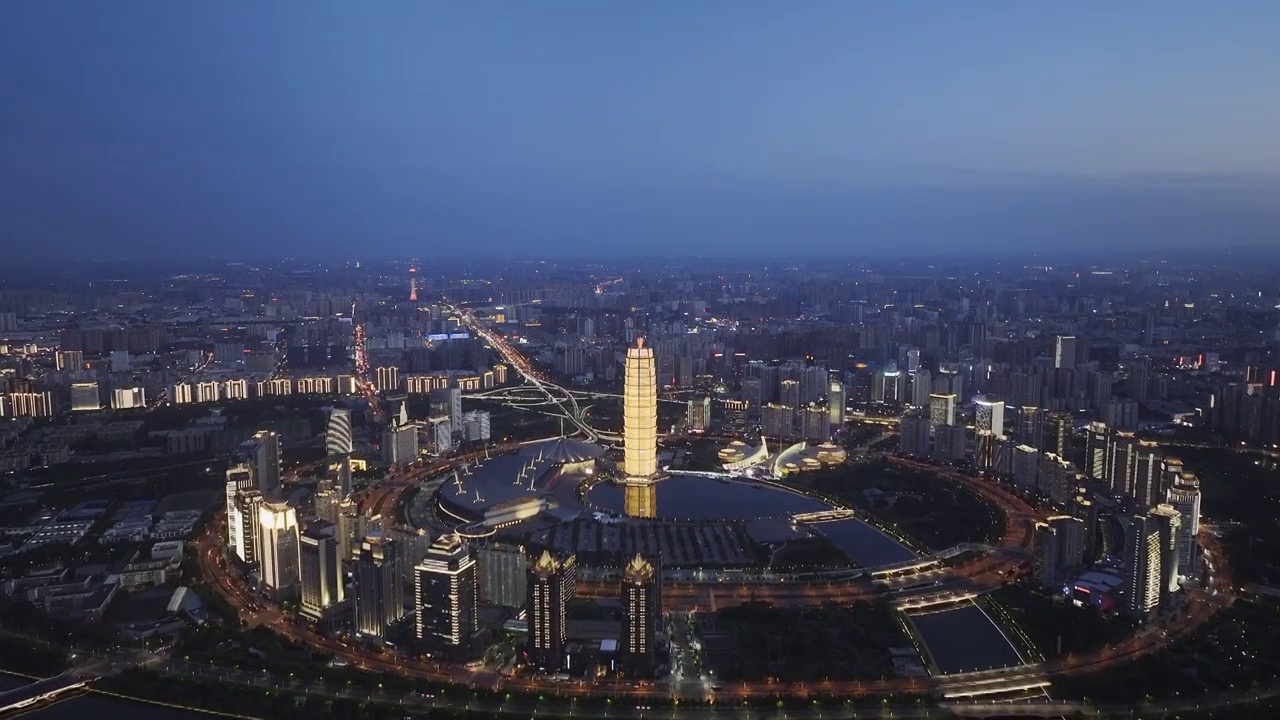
<point>340,476</point>
<point>1121,452</point>
<point>734,414</point>
<point>379,597</point>
<point>320,569</point>
<point>921,387</point>
<point>387,379</point>
<point>263,452</point>
<point>888,386</point>
<point>1143,570</point>
<point>503,570</point>
<point>350,529</point>
<point>698,414</point>
<point>1064,352</point>
<point>27,404</point>
<point>789,393</point>
<point>552,583</point>
<point>412,545</point>
<point>326,503</point>
<point>128,398</point>
<point>1088,512</point>
<point>337,432</point>
<point>453,396</point>
<point>913,436</point>
<point>1097,445</point>
<point>1058,440</point>
<point>445,593</point>
<point>238,478</point>
<point>1168,523</point>
<point>278,534</point>
<point>236,389</point>
<point>642,613</point>
<point>249,538</point>
<point>400,444</point>
<point>1031,421</point>
<point>1184,496</point>
<point>640,431</point>
<point>835,404</point>
<point>207,391</point>
<point>441,434</point>
<point>752,394</point>
<point>84,397</point>
<point>1059,550</point>
<point>476,426</point>
<point>181,393</point>
<point>1145,468</point>
<point>777,421</point>
<point>68,360</point>
<point>942,410</point>
<point>816,424</point>
<point>988,415</point>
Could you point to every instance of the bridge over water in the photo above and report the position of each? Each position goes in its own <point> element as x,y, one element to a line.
<point>42,691</point>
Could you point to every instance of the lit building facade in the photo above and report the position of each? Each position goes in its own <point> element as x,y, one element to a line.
<point>552,583</point>
<point>1184,496</point>
<point>989,416</point>
<point>503,574</point>
<point>337,433</point>
<point>263,452</point>
<point>239,478</point>
<point>379,598</point>
<point>278,534</point>
<point>642,608</point>
<point>942,410</point>
<point>84,397</point>
<point>698,414</point>
<point>1064,352</point>
<point>320,569</point>
<point>835,404</point>
<point>445,594</point>
<point>640,431</point>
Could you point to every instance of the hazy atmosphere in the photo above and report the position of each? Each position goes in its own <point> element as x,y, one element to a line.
<point>559,129</point>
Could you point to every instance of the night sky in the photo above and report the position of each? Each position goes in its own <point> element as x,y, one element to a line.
<point>558,129</point>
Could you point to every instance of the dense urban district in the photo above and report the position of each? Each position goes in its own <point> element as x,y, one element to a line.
<point>818,489</point>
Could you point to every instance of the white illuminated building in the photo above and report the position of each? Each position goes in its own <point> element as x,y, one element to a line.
<point>989,416</point>
<point>278,528</point>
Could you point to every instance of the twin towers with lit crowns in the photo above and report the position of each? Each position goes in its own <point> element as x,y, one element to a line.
<point>640,432</point>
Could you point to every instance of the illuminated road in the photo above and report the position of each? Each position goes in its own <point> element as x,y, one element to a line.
<point>561,398</point>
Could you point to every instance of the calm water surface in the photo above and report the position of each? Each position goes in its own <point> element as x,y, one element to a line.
<point>965,639</point>
<point>689,497</point>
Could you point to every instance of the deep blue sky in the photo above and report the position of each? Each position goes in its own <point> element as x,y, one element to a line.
<point>546,128</point>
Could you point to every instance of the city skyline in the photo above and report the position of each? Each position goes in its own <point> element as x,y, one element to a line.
<point>581,358</point>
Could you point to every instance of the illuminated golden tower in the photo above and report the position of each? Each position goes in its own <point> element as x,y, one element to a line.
<point>640,431</point>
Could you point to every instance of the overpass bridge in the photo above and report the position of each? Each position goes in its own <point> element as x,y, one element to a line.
<point>822,516</point>
<point>15,701</point>
<point>937,600</point>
